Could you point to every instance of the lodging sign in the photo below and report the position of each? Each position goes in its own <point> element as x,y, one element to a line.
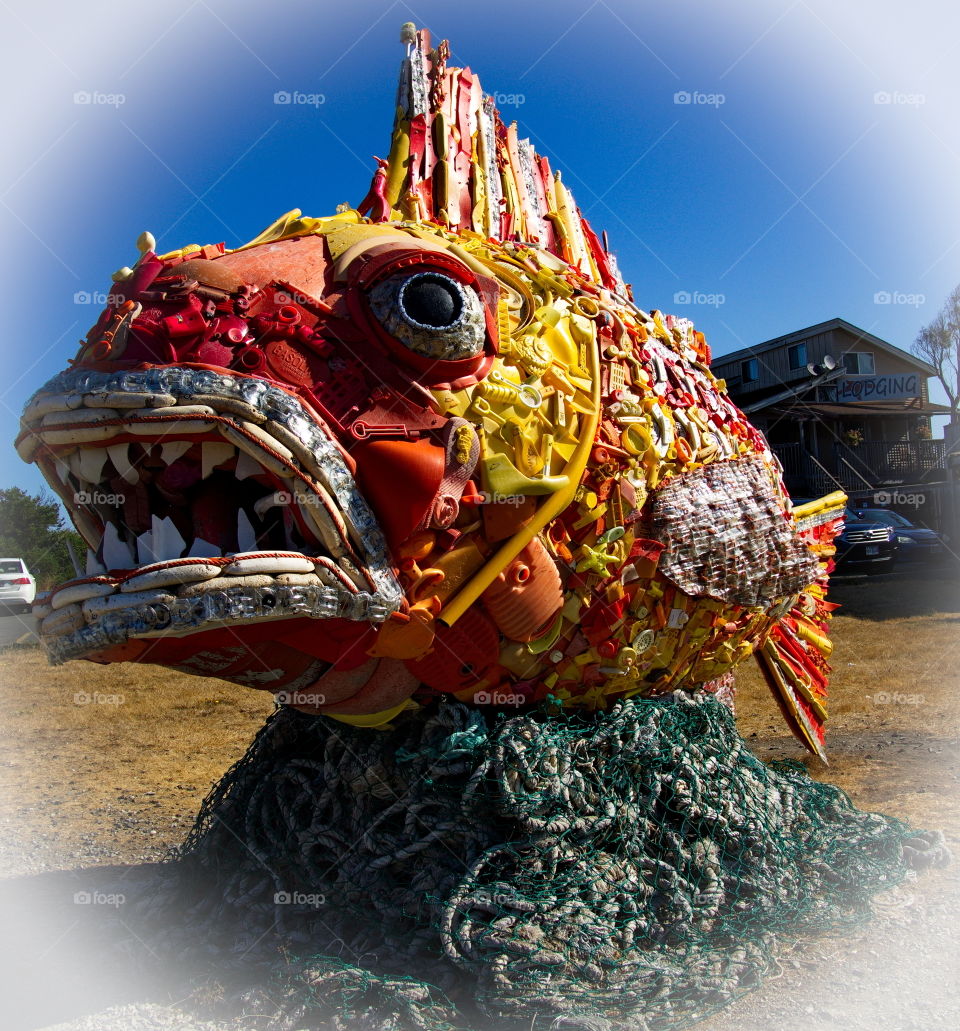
<point>879,388</point>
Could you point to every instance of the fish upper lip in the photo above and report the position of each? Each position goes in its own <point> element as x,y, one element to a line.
<point>90,408</point>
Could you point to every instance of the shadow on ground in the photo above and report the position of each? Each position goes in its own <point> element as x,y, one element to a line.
<point>914,590</point>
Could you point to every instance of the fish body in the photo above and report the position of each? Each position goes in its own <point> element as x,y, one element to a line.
<point>428,446</point>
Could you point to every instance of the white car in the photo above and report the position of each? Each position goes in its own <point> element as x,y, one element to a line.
<point>17,585</point>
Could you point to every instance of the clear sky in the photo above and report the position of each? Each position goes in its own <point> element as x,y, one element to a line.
<point>811,172</point>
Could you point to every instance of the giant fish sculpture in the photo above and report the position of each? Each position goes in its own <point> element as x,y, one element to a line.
<point>429,446</point>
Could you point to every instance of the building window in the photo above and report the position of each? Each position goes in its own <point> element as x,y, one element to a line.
<point>797,356</point>
<point>859,363</point>
<point>750,370</point>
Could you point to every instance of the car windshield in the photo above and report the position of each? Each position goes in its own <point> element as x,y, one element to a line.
<point>10,566</point>
<point>883,515</point>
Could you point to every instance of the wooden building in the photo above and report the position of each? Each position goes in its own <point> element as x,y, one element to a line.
<point>840,407</point>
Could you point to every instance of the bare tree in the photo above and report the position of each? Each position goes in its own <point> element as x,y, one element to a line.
<point>939,344</point>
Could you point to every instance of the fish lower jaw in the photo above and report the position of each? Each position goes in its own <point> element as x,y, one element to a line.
<point>188,596</point>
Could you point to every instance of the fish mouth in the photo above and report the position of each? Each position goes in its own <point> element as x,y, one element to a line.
<point>206,499</point>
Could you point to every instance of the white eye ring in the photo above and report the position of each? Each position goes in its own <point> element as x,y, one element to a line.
<point>461,338</point>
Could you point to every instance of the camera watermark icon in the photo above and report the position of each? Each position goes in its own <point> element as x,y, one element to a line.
<point>697,98</point>
<point>498,698</point>
<point>287,296</point>
<point>509,99</point>
<point>295,98</point>
<point>299,698</point>
<point>897,98</point>
<point>493,498</point>
<point>296,497</point>
<point>896,698</point>
<point>491,898</point>
<point>899,497</point>
<point>699,297</point>
<point>97,497</point>
<point>299,898</point>
<point>99,898</point>
<point>97,698</point>
<point>97,297</point>
<point>95,98</point>
<point>899,297</point>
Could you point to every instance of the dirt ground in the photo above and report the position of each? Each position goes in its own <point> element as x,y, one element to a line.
<point>105,767</point>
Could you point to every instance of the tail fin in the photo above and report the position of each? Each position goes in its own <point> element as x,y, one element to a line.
<point>793,659</point>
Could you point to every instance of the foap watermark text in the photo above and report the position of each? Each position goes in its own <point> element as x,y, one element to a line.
<point>898,98</point>
<point>899,297</point>
<point>299,698</point>
<point>296,98</point>
<point>699,297</point>
<point>99,898</point>
<point>697,98</point>
<point>498,698</point>
<point>97,698</point>
<point>96,98</point>
<point>899,497</point>
<point>299,898</point>
<point>897,698</point>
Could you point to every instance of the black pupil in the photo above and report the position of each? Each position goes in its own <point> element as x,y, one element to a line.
<point>432,301</point>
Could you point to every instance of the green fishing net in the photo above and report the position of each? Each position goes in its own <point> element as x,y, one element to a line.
<point>633,868</point>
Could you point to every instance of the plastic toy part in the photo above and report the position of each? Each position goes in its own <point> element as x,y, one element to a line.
<point>427,446</point>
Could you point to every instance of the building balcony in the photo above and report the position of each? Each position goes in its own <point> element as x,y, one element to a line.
<point>871,464</point>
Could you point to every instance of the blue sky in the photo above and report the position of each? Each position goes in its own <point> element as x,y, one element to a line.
<point>812,167</point>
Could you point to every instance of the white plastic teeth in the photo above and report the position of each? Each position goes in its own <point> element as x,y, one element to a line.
<point>117,553</point>
<point>161,543</point>
<point>261,428</point>
<point>94,566</point>
<point>119,455</point>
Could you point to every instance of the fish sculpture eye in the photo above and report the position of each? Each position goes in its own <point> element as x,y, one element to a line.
<point>431,313</point>
<point>431,301</point>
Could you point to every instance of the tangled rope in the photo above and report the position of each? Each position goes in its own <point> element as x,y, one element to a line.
<point>557,871</point>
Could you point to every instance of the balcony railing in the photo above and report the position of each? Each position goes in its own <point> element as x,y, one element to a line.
<point>874,463</point>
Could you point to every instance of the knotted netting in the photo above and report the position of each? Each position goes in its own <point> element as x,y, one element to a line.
<point>634,868</point>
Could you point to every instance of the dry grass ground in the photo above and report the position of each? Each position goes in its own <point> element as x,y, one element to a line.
<point>109,764</point>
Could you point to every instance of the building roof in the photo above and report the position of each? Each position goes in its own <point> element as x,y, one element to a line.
<point>908,406</point>
<point>825,327</point>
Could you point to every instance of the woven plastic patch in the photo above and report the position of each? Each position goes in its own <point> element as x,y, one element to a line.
<point>727,536</point>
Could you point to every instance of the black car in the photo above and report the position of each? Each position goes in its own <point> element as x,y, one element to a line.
<point>866,545</point>
<point>915,543</point>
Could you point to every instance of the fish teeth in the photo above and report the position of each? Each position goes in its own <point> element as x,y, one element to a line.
<point>266,424</point>
<point>174,449</point>
<point>120,456</point>
<point>247,465</point>
<point>90,463</point>
<point>145,553</point>
<point>166,540</point>
<point>246,536</point>
<point>203,549</point>
<point>214,454</point>
<point>270,501</point>
<point>73,462</point>
<point>62,468</point>
<point>94,566</point>
<point>117,554</point>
